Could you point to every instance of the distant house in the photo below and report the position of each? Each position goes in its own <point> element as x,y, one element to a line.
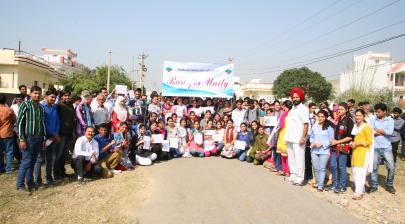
<point>368,71</point>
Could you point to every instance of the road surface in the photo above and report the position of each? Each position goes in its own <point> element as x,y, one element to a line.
<point>215,190</point>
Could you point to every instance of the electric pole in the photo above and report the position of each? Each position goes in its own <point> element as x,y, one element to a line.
<point>142,70</point>
<point>109,71</point>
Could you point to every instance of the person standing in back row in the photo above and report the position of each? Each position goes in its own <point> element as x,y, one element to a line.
<point>296,136</point>
<point>383,127</point>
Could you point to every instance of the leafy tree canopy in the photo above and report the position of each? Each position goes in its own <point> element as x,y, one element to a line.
<point>95,79</point>
<point>313,83</point>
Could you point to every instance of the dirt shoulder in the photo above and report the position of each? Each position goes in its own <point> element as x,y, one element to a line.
<point>99,201</point>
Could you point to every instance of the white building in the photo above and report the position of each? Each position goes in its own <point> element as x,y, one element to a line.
<point>369,71</point>
<point>62,60</point>
<point>397,78</point>
<point>253,89</point>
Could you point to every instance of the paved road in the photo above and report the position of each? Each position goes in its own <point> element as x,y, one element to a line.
<point>216,190</point>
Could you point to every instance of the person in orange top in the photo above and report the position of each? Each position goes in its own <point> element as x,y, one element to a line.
<point>361,150</point>
<point>7,122</point>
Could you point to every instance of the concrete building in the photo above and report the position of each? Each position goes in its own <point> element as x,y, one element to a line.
<point>18,68</point>
<point>62,60</point>
<point>254,89</point>
<point>368,71</point>
<point>397,78</point>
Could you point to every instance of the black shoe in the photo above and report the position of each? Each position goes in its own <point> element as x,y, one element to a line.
<point>342,190</point>
<point>373,189</point>
<point>336,191</point>
<point>391,190</point>
<point>320,189</point>
<point>330,188</point>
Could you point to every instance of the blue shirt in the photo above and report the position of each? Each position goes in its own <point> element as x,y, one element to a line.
<point>383,141</point>
<point>102,142</point>
<point>324,137</point>
<point>51,119</point>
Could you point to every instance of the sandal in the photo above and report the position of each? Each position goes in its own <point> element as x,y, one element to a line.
<point>357,197</point>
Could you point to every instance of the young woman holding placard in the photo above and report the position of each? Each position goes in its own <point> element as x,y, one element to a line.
<point>244,136</point>
<point>229,141</point>
<point>209,145</point>
<point>196,140</point>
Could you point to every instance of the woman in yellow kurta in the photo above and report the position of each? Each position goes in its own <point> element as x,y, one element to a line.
<point>361,149</point>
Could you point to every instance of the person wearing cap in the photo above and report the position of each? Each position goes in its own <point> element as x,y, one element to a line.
<point>84,113</point>
<point>296,136</point>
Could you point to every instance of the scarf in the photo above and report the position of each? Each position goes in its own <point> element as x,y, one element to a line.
<point>121,111</point>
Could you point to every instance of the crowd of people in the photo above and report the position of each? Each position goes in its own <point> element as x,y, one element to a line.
<point>103,134</point>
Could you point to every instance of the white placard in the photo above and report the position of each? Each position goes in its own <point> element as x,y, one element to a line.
<point>240,145</point>
<point>208,145</point>
<point>198,138</point>
<point>210,132</point>
<point>210,109</point>
<point>146,142</point>
<point>157,138</point>
<point>165,146</point>
<point>167,115</point>
<point>131,94</point>
<point>121,89</point>
<point>218,138</point>
<point>270,121</point>
<point>197,111</point>
<point>182,132</point>
<point>48,142</point>
<point>174,143</point>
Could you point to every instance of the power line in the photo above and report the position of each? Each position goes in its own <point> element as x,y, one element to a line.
<point>335,45</point>
<point>296,25</point>
<point>331,56</point>
<point>338,28</point>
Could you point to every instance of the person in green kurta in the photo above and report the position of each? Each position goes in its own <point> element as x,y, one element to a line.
<point>260,151</point>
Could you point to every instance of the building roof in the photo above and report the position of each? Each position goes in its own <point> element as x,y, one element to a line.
<point>398,67</point>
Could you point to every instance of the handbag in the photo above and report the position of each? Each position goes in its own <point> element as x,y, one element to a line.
<point>343,148</point>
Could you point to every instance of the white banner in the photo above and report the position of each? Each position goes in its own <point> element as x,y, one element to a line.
<point>197,79</point>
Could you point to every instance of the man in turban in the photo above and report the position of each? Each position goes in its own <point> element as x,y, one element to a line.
<point>296,135</point>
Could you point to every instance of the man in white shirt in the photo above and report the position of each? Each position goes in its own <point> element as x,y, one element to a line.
<point>85,155</point>
<point>296,136</point>
<point>17,102</point>
<point>238,115</point>
<point>101,114</point>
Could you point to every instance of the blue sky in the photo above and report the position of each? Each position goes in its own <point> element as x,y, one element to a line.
<point>259,35</point>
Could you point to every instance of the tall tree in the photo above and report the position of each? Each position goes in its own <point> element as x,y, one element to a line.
<point>313,83</point>
<point>95,79</point>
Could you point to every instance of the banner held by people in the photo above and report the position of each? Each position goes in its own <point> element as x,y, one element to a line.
<point>197,79</point>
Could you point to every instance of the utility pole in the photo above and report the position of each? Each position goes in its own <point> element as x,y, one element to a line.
<point>109,71</point>
<point>142,70</point>
<point>19,46</point>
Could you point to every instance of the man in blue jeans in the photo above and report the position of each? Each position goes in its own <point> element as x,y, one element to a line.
<point>383,127</point>
<point>7,121</point>
<point>31,132</point>
<point>51,120</point>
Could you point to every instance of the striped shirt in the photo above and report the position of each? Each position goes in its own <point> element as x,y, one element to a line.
<point>30,120</point>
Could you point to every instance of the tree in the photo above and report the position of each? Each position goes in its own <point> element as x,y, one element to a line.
<point>95,79</point>
<point>313,83</point>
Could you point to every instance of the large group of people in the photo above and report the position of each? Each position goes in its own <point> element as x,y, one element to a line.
<point>103,134</point>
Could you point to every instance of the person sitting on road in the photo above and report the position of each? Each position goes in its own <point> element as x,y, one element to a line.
<point>229,140</point>
<point>143,156</point>
<point>109,158</point>
<point>85,155</point>
<point>260,151</point>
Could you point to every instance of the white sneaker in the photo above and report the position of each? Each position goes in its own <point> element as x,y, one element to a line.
<point>187,155</point>
<point>289,179</point>
<point>115,171</point>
